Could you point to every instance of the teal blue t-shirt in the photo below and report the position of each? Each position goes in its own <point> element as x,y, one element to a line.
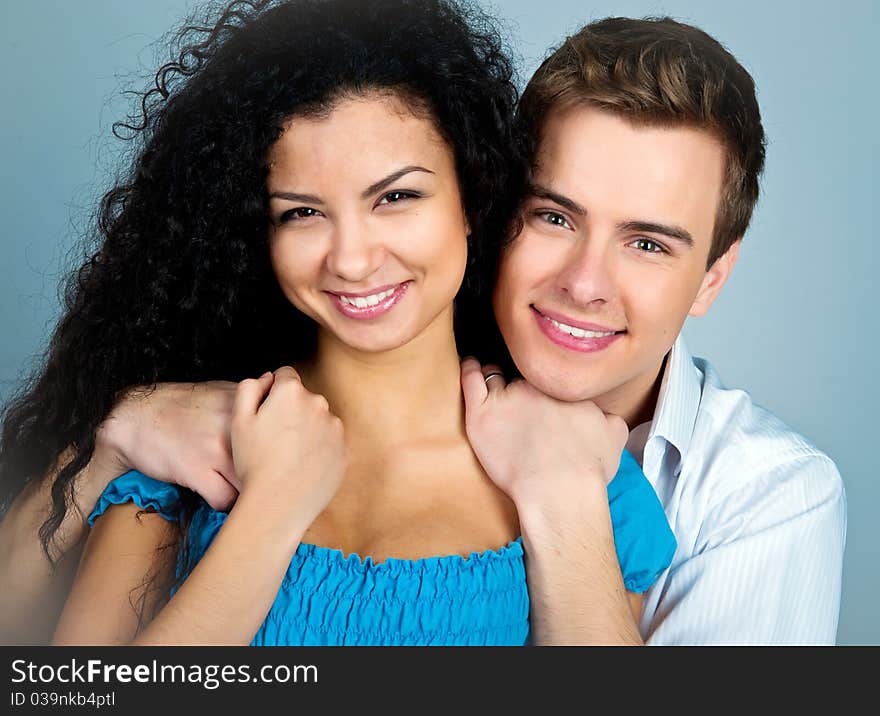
<point>327,598</point>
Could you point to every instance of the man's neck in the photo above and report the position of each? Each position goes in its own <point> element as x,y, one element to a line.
<point>636,401</point>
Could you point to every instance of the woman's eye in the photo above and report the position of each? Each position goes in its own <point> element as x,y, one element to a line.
<point>393,197</point>
<point>649,246</point>
<point>554,218</point>
<point>301,212</point>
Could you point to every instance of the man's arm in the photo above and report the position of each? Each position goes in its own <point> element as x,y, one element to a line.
<point>576,588</point>
<point>554,460</point>
<point>767,565</point>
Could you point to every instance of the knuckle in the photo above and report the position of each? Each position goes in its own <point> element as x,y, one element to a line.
<point>519,387</point>
<point>320,402</point>
<point>237,422</point>
<point>244,387</point>
<point>219,447</point>
<point>286,372</point>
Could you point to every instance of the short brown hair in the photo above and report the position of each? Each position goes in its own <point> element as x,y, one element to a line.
<point>659,71</point>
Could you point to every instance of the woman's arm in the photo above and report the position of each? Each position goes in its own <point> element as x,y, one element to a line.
<point>124,551</point>
<point>278,430</point>
<point>128,568</point>
<point>34,591</point>
<point>176,433</point>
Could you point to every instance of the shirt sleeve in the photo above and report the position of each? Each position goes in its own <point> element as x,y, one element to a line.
<point>767,566</point>
<point>144,491</point>
<point>643,539</point>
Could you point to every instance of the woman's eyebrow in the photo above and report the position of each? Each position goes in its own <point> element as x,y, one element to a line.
<point>293,196</point>
<point>366,194</point>
<point>390,179</point>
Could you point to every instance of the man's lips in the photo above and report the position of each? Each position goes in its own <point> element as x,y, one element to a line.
<point>573,322</point>
<point>574,335</point>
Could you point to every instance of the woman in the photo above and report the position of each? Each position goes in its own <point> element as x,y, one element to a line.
<point>316,180</point>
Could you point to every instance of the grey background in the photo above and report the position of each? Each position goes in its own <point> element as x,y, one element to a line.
<point>793,326</point>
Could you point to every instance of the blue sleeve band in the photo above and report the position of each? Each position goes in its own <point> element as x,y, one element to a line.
<point>144,491</point>
<point>644,541</point>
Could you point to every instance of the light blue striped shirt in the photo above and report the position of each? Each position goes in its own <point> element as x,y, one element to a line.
<point>759,514</point>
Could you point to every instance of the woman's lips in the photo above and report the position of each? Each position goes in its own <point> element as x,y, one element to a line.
<point>387,298</point>
<point>580,337</point>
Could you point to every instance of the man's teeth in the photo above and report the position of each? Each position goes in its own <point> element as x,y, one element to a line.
<point>579,332</point>
<point>365,301</point>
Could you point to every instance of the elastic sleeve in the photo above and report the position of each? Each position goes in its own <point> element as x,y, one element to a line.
<point>644,541</point>
<point>144,491</point>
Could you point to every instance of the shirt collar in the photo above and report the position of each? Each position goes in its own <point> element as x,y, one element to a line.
<point>677,403</point>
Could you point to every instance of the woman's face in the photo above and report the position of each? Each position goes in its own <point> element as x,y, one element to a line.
<point>368,235</point>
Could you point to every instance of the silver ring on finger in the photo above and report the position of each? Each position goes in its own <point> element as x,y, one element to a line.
<point>492,375</point>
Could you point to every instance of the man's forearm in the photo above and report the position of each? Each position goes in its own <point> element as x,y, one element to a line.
<point>575,585</point>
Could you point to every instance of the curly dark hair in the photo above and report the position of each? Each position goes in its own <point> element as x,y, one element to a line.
<point>180,287</point>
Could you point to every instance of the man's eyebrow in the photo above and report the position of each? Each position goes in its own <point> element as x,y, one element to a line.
<point>651,227</point>
<point>543,192</point>
<point>390,179</point>
<point>366,194</point>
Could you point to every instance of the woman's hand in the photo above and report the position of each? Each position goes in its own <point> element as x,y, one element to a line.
<point>287,446</point>
<point>178,433</point>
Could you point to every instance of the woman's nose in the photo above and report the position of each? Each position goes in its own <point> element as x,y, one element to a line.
<point>353,255</point>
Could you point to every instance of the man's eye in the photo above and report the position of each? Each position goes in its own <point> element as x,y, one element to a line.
<point>301,212</point>
<point>649,246</point>
<point>393,197</point>
<point>554,218</point>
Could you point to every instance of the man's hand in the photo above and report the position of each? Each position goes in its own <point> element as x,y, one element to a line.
<point>536,448</point>
<point>555,460</point>
<point>178,433</point>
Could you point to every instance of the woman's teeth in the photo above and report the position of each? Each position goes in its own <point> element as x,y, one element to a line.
<point>366,301</point>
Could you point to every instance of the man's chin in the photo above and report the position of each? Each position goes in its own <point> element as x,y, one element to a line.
<point>565,387</point>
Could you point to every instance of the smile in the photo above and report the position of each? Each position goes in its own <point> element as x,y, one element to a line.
<point>369,305</point>
<point>364,301</point>
<point>583,338</point>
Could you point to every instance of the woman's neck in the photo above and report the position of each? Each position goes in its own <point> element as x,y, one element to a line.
<point>409,393</point>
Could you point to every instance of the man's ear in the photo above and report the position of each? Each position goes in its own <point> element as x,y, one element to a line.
<point>714,280</point>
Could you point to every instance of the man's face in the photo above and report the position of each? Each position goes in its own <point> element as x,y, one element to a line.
<point>612,255</point>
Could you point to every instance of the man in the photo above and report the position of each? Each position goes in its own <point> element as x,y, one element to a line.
<point>648,149</point>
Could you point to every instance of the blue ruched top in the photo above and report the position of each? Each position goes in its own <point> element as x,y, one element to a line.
<point>327,598</point>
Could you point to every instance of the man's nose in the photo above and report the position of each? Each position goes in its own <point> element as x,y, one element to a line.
<point>587,277</point>
<point>353,255</point>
